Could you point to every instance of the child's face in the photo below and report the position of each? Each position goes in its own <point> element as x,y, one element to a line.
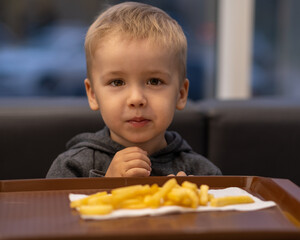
<point>136,86</point>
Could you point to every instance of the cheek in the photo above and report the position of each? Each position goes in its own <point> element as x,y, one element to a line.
<point>165,106</point>
<point>109,106</point>
<point>110,116</point>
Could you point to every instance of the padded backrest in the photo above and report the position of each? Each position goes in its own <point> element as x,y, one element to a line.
<point>34,131</point>
<point>255,137</point>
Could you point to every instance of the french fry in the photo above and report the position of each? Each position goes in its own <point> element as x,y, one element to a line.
<point>176,195</point>
<point>230,200</point>
<point>84,201</point>
<point>134,203</point>
<point>190,185</point>
<point>186,202</point>
<point>203,195</point>
<point>98,200</point>
<point>166,188</point>
<point>157,199</point>
<point>154,188</point>
<point>210,197</point>
<point>151,202</point>
<point>121,194</point>
<point>183,196</point>
<point>95,209</point>
<point>145,196</point>
<point>129,191</point>
<point>193,197</point>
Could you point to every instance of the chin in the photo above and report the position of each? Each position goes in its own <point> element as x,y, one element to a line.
<point>138,139</point>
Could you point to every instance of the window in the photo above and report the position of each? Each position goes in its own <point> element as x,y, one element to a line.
<point>42,52</point>
<point>42,47</point>
<point>276,49</point>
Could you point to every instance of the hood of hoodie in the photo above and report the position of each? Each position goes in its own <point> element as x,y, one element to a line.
<point>101,141</point>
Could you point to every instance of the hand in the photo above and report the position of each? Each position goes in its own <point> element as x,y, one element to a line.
<point>129,162</point>
<point>179,174</point>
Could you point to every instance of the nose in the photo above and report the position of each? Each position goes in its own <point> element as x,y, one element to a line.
<point>136,98</point>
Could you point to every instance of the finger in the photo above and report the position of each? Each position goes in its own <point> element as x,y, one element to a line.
<point>137,172</point>
<point>136,156</point>
<point>129,155</point>
<point>171,175</point>
<point>137,164</point>
<point>181,173</point>
<point>133,149</point>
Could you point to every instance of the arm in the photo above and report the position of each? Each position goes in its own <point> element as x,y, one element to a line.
<point>71,164</point>
<point>64,169</point>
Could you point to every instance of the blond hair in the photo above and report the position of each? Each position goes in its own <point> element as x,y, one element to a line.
<point>137,21</point>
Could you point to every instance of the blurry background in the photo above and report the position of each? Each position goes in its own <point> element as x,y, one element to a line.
<point>42,52</point>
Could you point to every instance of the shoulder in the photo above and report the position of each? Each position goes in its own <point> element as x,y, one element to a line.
<point>72,163</point>
<point>197,164</point>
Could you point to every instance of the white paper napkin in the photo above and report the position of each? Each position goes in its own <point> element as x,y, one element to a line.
<point>232,191</point>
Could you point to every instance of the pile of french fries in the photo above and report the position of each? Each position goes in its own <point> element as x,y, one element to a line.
<point>145,196</point>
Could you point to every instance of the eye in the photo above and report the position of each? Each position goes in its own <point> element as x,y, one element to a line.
<point>117,83</point>
<point>154,81</point>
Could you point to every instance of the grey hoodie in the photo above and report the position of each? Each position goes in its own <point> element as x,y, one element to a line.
<point>89,155</point>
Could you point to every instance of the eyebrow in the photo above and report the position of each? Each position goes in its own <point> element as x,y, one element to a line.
<point>159,72</point>
<point>118,73</point>
<point>113,73</point>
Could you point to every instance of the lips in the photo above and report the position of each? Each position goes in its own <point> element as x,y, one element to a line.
<point>138,121</point>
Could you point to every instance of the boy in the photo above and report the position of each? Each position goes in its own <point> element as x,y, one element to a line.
<point>136,61</point>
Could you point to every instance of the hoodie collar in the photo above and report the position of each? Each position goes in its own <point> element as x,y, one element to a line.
<point>101,141</point>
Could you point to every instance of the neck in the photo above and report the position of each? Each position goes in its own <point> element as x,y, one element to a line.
<point>152,147</point>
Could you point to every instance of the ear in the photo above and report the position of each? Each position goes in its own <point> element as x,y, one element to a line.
<point>91,95</point>
<point>183,94</point>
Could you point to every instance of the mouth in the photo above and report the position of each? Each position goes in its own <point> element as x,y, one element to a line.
<point>138,121</point>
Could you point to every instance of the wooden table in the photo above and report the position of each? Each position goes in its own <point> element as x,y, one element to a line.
<point>39,209</point>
